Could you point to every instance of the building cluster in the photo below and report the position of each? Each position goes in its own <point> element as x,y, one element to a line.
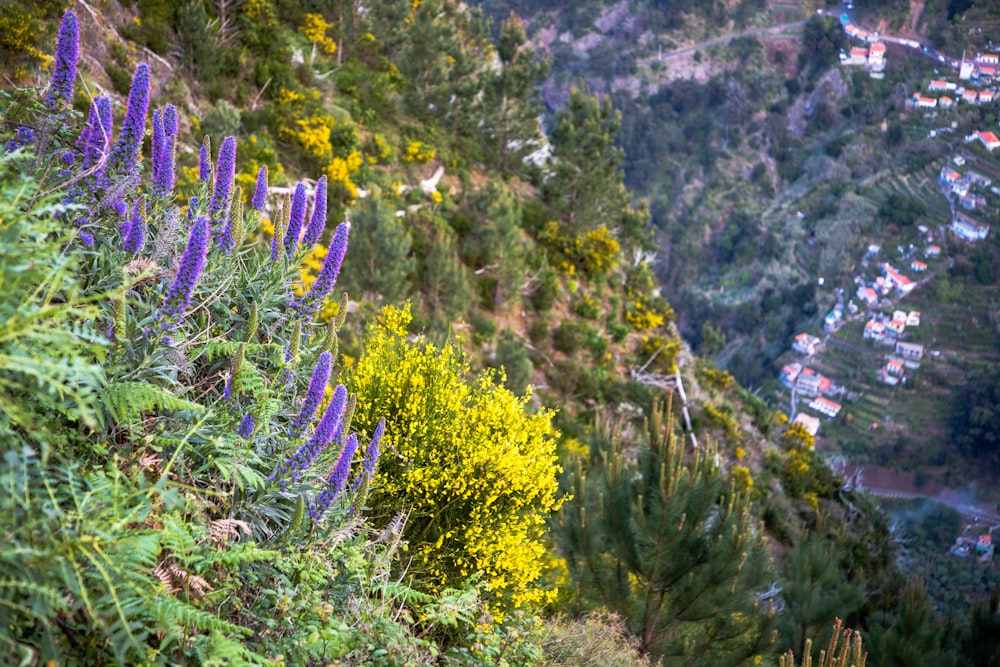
<point>953,93</point>
<point>981,547</point>
<point>871,57</point>
<point>882,328</point>
<point>981,70</point>
<point>959,187</point>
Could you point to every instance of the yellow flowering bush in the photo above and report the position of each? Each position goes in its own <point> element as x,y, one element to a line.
<point>417,151</point>
<point>314,29</point>
<point>476,471</point>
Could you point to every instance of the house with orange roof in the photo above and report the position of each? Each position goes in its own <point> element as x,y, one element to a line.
<point>876,55</point>
<point>895,366</point>
<point>874,329</point>
<point>790,373</point>
<point>856,56</point>
<point>896,326</point>
<point>897,280</point>
<point>949,175</point>
<point>985,96</point>
<point>867,295</point>
<point>913,318</point>
<point>806,344</point>
<point>932,251</point>
<point>988,58</point>
<point>917,266</point>
<point>987,139</point>
<point>924,102</point>
<point>968,228</point>
<point>945,102</point>
<point>937,85</point>
<point>970,97</point>
<point>825,406</point>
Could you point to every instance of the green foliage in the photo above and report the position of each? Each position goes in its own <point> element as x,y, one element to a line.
<point>512,356</point>
<point>669,546</point>
<point>380,264</point>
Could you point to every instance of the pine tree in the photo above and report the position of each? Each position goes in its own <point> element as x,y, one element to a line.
<point>910,637</point>
<point>380,264</point>
<point>815,593</point>
<point>510,106</point>
<point>669,545</point>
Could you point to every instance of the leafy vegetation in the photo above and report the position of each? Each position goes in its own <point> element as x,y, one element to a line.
<point>212,459</point>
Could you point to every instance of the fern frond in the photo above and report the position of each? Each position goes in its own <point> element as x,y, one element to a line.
<point>243,553</point>
<point>219,349</point>
<point>178,615</point>
<point>126,401</point>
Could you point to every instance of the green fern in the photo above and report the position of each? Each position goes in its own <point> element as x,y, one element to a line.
<point>127,401</point>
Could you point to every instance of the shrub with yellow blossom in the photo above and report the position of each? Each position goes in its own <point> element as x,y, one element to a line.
<point>314,28</point>
<point>417,151</point>
<point>473,467</point>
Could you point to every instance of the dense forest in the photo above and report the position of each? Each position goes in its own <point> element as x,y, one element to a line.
<point>318,347</point>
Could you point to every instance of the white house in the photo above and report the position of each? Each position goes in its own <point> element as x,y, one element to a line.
<point>825,406</point>
<point>969,229</point>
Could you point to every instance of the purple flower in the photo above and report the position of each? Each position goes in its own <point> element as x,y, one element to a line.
<point>60,93</point>
<point>163,181</point>
<point>125,153</point>
<point>247,425</point>
<point>170,120</point>
<point>68,158</point>
<point>219,205</point>
<point>178,297</point>
<point>296,219</point>
<point>328,425</point>
<point>336,481</point>
<point>87,238</point>
<point>373,451</point>
<point>327,277</point>
<point>318,220</point>
<point>95,149</point>
<point>135,236</point>
<point>260,192</point>
<point>205,160</point>
<point>25,135</point>
<point>156,144</point>
<point>317,386</point>
<point>192,207</point>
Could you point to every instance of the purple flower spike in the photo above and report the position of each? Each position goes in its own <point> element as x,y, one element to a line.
<point>219,205</point>
<point>321,437</point>
<point>170,120</point>
<point>178,297</point>
<point>125,154</point>
<point>60,94</point>
<point>336,481</point>
<point>247,425</point>
<point>135,235</point>
<point>297,217</point>
<point>317,386</point>
<point>95,152</point>
<point>156,145</point>
<point>327,277</point>
<point>205,160</point>
<point>163,182</point>
<point>260,192</point>
<point>373,451</point>
<point>318,220</point>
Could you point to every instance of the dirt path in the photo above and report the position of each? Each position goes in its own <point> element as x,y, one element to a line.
<point>721,40</point>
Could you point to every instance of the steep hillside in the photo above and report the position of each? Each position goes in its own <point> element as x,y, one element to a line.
<point>192,337</point>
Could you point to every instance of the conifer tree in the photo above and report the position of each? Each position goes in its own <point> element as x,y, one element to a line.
<point>815,593</point>
<point>911,637</point>
<point>663,540</point>
<point>380,264</point>
<point>510,108</point>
